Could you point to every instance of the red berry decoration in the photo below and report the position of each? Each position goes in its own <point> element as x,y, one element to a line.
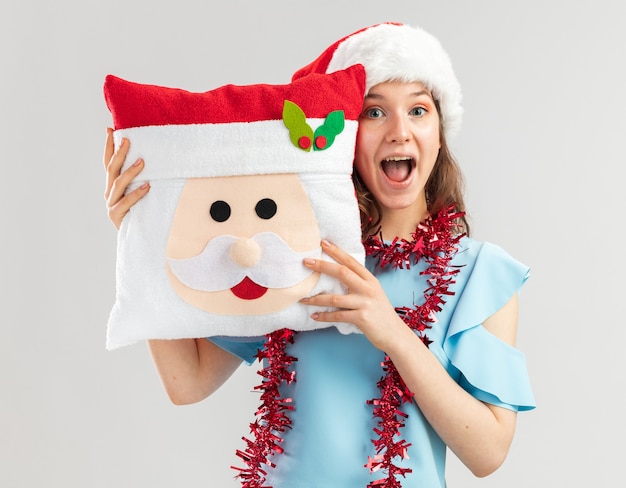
<point>320,142</point>
<point>305,142</point>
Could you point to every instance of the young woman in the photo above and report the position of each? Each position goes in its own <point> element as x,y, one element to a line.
<point>438,310</point>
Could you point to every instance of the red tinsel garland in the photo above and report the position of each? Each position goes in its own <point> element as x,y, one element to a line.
<point>433,241</point>
<point>272,419</point>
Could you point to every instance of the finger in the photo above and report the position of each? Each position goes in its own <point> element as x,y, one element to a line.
<point>342,257</point>
<point>114,157</point>
<point>116,187</point>
<point>346,302</point>
<point>343,316</point>
<point>335,270</point>
<point>118,210</point>
<point>109,148</point>
<point>115,164</point>
<point>118,191</point>
<point>136,195</point>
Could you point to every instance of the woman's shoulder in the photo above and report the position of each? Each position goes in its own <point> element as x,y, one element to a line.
<point>472,252</point>
<point>487,274</point>
<point>492,370</point>
<point>472,245</point>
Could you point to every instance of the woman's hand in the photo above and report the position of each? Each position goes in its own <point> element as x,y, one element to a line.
<point>365,305</point>
<point>117,203</point>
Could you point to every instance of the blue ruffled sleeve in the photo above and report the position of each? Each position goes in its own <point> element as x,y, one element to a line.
<point>245,348</point>
<point>490,369</point>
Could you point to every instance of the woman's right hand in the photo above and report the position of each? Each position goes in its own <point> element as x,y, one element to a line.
<point>118,204</point>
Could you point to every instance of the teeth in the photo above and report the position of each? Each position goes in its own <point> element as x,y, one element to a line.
<point>398,158</point>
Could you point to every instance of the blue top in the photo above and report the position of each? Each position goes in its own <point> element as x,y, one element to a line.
<point>336,374</point>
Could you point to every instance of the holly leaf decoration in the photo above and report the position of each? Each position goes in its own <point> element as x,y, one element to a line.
<point>325,134</point>
<point>300,133</point>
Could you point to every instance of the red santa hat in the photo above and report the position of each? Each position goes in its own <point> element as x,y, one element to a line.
<point>397,52</point>
<point>307,126</point>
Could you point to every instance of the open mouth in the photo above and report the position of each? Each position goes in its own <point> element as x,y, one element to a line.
<point>248,290</point>
<point>397,168</point>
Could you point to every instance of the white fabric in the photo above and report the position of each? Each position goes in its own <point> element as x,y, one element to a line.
<point>146,306</point>
<point>404,53</point>
<point>241,148</point>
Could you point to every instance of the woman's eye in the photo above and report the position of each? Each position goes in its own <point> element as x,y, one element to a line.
<point>418,111</point>
<point>220,211</point>
<point>373,113</point>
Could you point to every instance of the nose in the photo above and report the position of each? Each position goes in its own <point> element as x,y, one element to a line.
<point>245,252</point>
<point>398,129</point>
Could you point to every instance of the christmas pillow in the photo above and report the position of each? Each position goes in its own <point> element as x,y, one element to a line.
<point>245,182</point>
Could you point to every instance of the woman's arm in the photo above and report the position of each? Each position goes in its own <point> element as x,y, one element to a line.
<point>478,433</point>
<point>190,369</point>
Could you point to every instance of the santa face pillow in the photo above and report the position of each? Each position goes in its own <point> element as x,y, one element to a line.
<point>245,183</point>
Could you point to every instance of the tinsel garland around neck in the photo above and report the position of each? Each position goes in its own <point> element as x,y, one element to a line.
<point>434,241</point>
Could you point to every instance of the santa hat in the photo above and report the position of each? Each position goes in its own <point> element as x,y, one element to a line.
<point>397,52</point>
<point>239,130</point>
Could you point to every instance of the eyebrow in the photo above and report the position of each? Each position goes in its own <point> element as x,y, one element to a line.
<point>376,96</point>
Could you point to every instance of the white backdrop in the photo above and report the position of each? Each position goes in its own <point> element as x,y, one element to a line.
<point>541,147</point>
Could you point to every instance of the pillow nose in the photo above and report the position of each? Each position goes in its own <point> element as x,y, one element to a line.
<point>245,252</point>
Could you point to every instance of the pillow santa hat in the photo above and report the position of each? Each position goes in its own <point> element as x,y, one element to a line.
<point>245,182</point>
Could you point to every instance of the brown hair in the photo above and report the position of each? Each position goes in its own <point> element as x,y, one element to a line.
<point>445,186</point>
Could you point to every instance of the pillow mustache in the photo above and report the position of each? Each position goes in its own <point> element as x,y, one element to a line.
<point>214,269</point>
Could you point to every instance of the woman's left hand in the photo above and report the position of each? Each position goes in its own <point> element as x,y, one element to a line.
<point>364,305</point>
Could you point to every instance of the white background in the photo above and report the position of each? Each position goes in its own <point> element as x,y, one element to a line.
<point>541,147</point>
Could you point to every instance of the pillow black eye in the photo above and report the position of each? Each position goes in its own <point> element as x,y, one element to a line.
<point>220,211</point>
<point>266,208</point>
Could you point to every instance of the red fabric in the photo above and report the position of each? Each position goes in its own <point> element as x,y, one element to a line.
<point>248,290</point>
<point>320,65</point>
<point>137,105</point>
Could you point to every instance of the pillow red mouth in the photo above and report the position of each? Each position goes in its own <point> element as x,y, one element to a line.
<point>248,290</point>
